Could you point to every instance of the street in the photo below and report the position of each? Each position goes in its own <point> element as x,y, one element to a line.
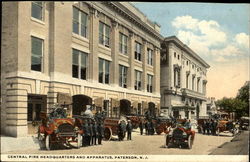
<point>150,145</point>
<point>238,146</point>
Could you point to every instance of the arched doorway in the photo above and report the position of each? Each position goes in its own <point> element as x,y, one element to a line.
<point>80,102</point>
<point>151,108</point>
<point>125,107</point>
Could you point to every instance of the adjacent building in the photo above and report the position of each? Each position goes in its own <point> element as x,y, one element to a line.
<point>183,80</point>
<point>211,106</point>
<point>78,54</point>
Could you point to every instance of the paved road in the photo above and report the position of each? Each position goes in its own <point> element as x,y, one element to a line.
<point>237,146</point>
<point>203,145</point>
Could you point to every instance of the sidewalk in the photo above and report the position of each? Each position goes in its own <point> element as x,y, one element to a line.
<point>20,143</point>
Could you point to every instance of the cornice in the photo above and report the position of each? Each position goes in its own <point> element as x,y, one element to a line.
<point>134,18</point>
<point>184,47</point>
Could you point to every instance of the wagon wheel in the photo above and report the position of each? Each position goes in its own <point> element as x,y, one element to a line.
<point>48,142</point>
<point>167,141</point>
<point>79,140</point>
<point>190,142</point>
<point>107,134</point>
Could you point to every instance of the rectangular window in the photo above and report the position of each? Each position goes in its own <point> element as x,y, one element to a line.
<point>138,80</point>
<point>150,57</point>
<point>123,43</point>
<point>150,84</point>
<point>80,22</point>
<point>104,34</point>
<point>137,51</point>
<point>123,76</point>
<point>193,83</point>
<point>79,64</point>
<point>36,54</point>
<point>198,85</point>
<point>187,77</point>
<point>104,71</point>
<point>37,10</point>
<point>177,77</point>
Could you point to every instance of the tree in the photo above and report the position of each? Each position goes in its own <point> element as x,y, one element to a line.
<point>239,105</point>
<point>243,96</point>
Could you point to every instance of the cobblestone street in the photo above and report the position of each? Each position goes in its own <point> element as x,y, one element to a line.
<point>151,145</point>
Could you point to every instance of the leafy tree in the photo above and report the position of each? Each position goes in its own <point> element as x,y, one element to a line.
<point>239,105</point>
<point>243,96</point>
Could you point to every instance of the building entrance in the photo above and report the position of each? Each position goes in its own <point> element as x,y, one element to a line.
<point>36,104</point>
<point>125,107</point>
<point>80,102</point>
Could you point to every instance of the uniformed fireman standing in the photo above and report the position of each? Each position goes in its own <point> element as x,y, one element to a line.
<point>120,132</point>
<point>100,130</point>
<point>84,135</point>
<point>141,125</point>
<point>129,128</point>
<point>94,135</point>
<point>123,125</point>
<point>146,127</point>
<point>90,132</point>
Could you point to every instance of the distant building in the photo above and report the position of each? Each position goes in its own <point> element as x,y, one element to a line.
<point>211,106</point>
<point>102,53</point>
<point>183,80</point>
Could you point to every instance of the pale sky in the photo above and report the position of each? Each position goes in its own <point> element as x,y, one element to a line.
<point>218,32</point>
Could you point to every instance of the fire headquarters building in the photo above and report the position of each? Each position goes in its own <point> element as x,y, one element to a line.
<point>78,54</point>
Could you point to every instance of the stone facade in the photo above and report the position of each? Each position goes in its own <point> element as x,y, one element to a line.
<point>26,92</point>
<point>183,80</point>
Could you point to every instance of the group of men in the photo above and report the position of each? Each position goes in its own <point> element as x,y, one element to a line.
<point>209,127</point>
<point>93,132</point>
<point>149,127</point>
<point>123,128</point>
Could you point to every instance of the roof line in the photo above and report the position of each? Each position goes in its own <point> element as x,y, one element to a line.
<point>188,49</point>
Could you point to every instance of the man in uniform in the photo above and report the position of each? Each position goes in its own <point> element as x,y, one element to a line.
<point>129,130</point>
<point>146,127</point>
<point>123,125</point>
<point>120,132</point>
<point>100,130</point>
<point>94,135</point>
<point>141,125</point>
<point>84,135</point>
<point>90,132</point>
<point>187,124</point>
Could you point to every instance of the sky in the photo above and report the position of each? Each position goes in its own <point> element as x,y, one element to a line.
<point>218,32</point>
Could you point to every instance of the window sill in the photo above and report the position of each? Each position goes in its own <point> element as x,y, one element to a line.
<point>104,47</point>
<point>151,66</point>
<point>37,72</point>
<point>123,55</point>
<point>80,37</point>
<point>140,62</point>
<point>37,21</point>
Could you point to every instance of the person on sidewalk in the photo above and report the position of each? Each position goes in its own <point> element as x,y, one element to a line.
<point>129,130</point>
<point>90,129</point>
<point>95,133</point>
<point>141,125</point>
<point>100,130</point>
<point>84,135</point>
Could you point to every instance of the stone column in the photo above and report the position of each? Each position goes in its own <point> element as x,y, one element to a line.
<point>156,64</point>
<point>144,65</point>
<point>93,45</point>
<point>131,72</point>
<point>114,68</point>
<point>16,108</point>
